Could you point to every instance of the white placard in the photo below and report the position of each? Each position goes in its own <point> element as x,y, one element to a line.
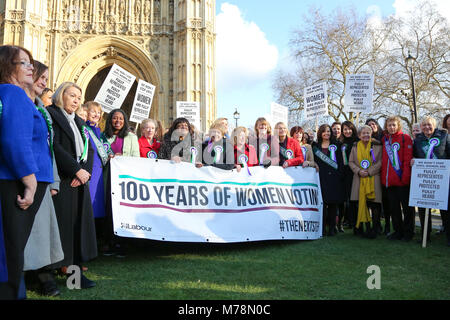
<point>429,184</point>
<point>358,93</point>
<point>162,200</point>
<point>278,113</point>
<point>190,111</point>
<point>315,101</point>
<point>115,88</point>
<point>142,101</point>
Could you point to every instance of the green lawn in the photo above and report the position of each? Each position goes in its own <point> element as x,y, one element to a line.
<point>329,268</point>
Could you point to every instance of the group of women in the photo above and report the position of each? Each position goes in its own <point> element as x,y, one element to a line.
<point>54,174</point>
<point>46,162</point>
<point>376,174</point>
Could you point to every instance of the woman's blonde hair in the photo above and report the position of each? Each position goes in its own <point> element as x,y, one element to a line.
<point>57,97</point>
<point>93,104</point>
<point>431,119</point>
<point>219,121</point>
<point>220,127</point>
<point>144,122</point>
<point>281,122</point>
<point>236,132</point>
<point>393,119</point>
<point>263,121</point>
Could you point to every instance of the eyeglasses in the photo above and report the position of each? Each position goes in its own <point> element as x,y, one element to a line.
<point>24,64</point>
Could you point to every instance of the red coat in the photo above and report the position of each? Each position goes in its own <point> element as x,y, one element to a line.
<point>250,152</point>
<point>145,147</point>
<point>389,176</point>
<point>294,145</point>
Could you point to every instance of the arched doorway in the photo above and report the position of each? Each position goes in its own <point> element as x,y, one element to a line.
<point>89,64</point>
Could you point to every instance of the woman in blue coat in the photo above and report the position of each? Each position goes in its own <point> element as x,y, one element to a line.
<point>25,161</point>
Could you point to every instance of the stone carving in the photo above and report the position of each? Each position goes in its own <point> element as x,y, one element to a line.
<point>122,10</point>
<point>111,52</point>
<point>69,43</point>
<point>153,45</point>
<point>112,6</point>
<point>137,9</point>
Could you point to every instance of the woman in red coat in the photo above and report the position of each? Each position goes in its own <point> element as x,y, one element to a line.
<point>291,154</point>
<point>241,147</point>
<point>396,177</point>
<point>148,144</point>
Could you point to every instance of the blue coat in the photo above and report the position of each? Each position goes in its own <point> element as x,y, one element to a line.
<point>24,148</point>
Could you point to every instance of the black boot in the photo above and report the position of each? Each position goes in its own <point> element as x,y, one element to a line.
<point>47,282</point>
<point>86,283</point>
<point>369,232</point>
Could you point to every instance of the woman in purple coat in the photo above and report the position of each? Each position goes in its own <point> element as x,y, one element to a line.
<point>101,158</point>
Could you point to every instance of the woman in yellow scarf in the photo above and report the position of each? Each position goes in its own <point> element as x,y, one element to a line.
<point>365,162</point>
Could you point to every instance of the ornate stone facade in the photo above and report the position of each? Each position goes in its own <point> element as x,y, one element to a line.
<point>169,43</point>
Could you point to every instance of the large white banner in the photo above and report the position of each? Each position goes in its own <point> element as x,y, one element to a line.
<point>430,184</point>
<point>315,101</point>
<point>142,101</point>
<point>358,93</point>
<point>115,88</point>
<point>161,200</point>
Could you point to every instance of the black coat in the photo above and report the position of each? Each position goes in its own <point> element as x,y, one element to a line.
<point>348,173</point>
<point>331,180</point>
<point>442,151</point>
<point>226,161</point>
<point>72,205</point>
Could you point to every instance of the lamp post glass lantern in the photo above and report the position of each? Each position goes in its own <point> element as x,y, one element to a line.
<point>409,63</point>
<point>236,116</point>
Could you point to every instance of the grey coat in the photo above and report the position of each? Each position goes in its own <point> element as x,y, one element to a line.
<point>374,171</point>
<point>44,244</point>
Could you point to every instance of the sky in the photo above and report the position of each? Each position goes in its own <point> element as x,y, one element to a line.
<point>253,44</point>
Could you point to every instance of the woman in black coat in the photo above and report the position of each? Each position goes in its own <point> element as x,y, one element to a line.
<point>217,151</point>
<point>74,158</point>
<point>328,156</point>
<point>348,137</point>
<point>179,143</point>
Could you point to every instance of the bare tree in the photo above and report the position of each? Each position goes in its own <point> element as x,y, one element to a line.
<point>329,48</point>
<point>424,34</point>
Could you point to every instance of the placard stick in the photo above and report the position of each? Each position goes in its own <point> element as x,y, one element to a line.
<point>425,228</point>
<point>317,125</point>
<point>137,127</point>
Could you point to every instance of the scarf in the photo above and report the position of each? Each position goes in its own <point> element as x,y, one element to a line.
<point>366,184</point>
<point>79,144</point>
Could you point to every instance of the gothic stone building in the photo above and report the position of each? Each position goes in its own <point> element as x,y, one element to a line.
<point>169,43</point>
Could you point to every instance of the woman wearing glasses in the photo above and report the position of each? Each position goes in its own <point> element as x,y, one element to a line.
<point>25,162</point>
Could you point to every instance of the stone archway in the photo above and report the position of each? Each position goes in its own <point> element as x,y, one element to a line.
<point>91,60</point>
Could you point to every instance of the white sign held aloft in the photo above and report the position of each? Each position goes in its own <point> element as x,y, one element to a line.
<point>315,100</point>
<point>142,101</point>
<point>190,111</point>
<point>115,88</point>
<point>278,113</point>
<point>358,93</point>
<point>429,184</point>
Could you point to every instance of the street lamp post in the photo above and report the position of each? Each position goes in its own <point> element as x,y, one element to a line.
<point>409,63</point>
<point>236,116</point>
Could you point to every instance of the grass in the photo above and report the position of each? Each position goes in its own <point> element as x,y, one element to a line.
<point>329,268</point>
